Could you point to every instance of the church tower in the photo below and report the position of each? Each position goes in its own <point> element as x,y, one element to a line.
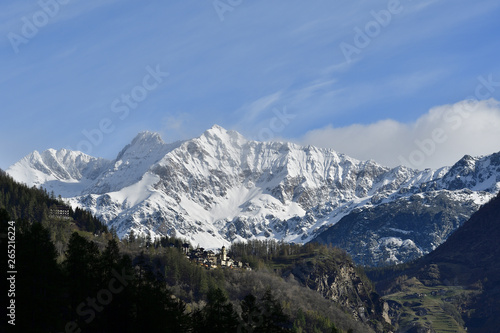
<point>223,256</point>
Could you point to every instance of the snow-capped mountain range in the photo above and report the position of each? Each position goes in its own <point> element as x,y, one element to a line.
<point>220,187</point>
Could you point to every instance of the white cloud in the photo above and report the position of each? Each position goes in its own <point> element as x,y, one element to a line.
<point>438,138</point>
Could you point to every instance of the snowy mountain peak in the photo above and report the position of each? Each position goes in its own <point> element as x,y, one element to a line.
<point>63,171</point>
<point>221,135</point>
<point>216,128</point>
<point>221,187</point>
<point>478,173</point>
<point>147,137</point>
<point>59,164</point>
<point>142,144</point>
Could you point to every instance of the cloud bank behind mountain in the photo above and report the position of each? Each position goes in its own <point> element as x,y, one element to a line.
<point>440,137</point>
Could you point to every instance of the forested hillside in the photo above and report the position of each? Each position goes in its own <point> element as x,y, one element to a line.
<point>72,273</point>
<point>26,205</point>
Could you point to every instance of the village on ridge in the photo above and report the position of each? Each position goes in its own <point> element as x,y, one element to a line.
<point>210,260</point>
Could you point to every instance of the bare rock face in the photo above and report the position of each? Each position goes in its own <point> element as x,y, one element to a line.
<point>401,230</point>
<point>336,278</point>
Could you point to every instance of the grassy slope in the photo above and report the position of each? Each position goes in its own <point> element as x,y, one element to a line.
<point>427,306</point>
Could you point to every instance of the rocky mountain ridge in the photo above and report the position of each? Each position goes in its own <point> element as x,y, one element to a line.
<point>221,187</point>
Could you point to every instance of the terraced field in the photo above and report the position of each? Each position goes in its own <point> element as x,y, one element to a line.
<point>431,307</point>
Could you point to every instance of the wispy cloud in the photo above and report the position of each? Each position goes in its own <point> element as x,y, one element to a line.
<point>250,112</point>
<point>398,85</point>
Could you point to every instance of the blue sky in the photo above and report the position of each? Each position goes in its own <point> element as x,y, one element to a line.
<point>291,70</point>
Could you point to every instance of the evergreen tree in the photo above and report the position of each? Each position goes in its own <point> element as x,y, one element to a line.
<point>274,319</point>
<point>131,237</point>
<point>109,260</point>
<point>117,316</point>
<point>219,314</point>
<point>157,310</point>
<point>251,314</point>
<point>38,283</point>
<point>82,275</point>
